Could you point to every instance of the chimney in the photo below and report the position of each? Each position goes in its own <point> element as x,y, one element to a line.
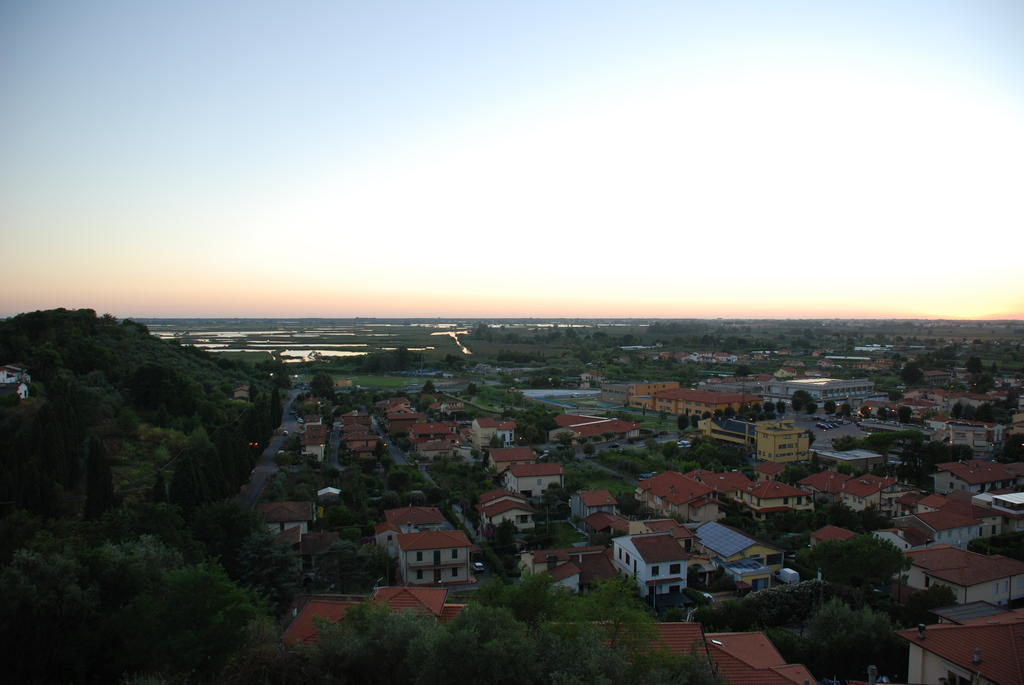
<point>920,631</point>
<point>976,656</point>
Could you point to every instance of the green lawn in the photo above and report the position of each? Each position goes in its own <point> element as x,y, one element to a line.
<point>593,478</point>
<point>380,381</point>
<point>562,534</point>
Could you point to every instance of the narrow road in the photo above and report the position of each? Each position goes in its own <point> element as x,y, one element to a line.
<point>265,466</point>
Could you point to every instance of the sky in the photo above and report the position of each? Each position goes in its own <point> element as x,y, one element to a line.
<point>509,159</point>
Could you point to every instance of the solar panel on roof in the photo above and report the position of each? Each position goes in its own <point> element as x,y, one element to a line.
<point>722,540</point>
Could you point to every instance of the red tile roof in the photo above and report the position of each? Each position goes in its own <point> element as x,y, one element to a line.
<point>976,471</point>
<point>598,498</point>
<point>867,485</point>
<point>487,422</point>
<point>531,470</point>
<point>502,506</point>
<point>946,519</point>
<point>498,494</point>
<point>503,454</point>
<point>432,428</point>
<point>770,468</point>
<point>415,516</point>
<point>831,532</point>
<point>670,526</point>
<point>961,567</point>
<point>772,489</point>
<point>316,543</point>
<point>600,520</point>
<point>729,481</point>
<point>302,628</point>
<point>674,487</point>
<point>617,426</point>
<point>825,481</point>
<point>658,547</point>
<point>419,600</point>
<point>751,659</point>
<point>433,539</point>
<point>682,638</point>
<point>998,639</point>
<point>286,512</point>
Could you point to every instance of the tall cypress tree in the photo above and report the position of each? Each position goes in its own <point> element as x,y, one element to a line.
<point>99,482</point>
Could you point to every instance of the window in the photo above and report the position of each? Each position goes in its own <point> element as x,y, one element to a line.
<point>673,568</point>
<point>419,575</point>
<point>419,556</point>
<point>627,558</point>
<point>455,571</point>
<point>455,554</point>
<point>655,571</point>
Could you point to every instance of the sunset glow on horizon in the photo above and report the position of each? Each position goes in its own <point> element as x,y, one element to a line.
<point>459,159</point>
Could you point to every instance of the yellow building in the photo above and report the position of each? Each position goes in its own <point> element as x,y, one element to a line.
<point>681,401</point>
<point>749,561</point>
<point>772,497</point>
<point>781,442</point>
<point>776,441</point>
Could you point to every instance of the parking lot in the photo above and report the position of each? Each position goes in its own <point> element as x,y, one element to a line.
<point>823,437</point>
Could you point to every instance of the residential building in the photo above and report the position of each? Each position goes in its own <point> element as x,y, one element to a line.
<point>981,437</point>
<point>973,577</point>
<point>531,480</point>
<point>605,522</point>
<point>1010,507</point>
<point>825,485</point>
<point>486,428</point>
<point>434,557</point>
<point>680,533</point>
<point>774,497</point>
<point>974,475</point>
<point>591,378</point>
<point>310,609</point>
<point>749,561</point>
<point>501,458</point>
<point>768,471</point>
<point>747,658</point>
<point>402,421</point>
<point>432,450</point>
<point>581,427</point>
<point>673,494</point>
<point>280,516</point>
<point>733,431</point>
<point>498,506</point>
<point>573,568</point>
<point>729,484</point>
<point>313,441</point>
<point>903,539</point>
<point>988,650</point>
<point>657,565</point>
<point>425,431</point>
<point>14,373</point>
<point>867,490</point>
<point>583,503</point>
<point>829,533</point>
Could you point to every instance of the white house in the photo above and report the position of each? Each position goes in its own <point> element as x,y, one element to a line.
<point>656,562</point>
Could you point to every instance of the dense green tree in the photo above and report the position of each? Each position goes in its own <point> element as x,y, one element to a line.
<point>99,485</point>
<point>973,365</point>
<point>917,608</point>
<point>863,561</point>
<point>830,407</point>
<point>192,623</point>
<point>844,642</point>
<point>911,373</point>
<point>904,413</point>
<point>223,527</point>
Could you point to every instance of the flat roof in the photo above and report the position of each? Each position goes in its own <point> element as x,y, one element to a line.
<point>1013,497</point>
<point>849,455</point>
<point>961,613</point>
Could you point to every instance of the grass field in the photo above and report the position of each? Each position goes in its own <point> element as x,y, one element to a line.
<point>250,357</point>
<point>380,381</point>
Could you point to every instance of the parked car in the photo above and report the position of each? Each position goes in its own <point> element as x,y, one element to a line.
<point>479,567</point>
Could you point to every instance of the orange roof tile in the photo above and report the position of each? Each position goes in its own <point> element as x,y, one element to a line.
<point>831,532</point>
<point>414,515</point>
<point>531,470</point>
<point>999,641</point>
<point>503,454</point>
<point>597,498</point>
<point>961,567</point>
<point>433,539</point>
